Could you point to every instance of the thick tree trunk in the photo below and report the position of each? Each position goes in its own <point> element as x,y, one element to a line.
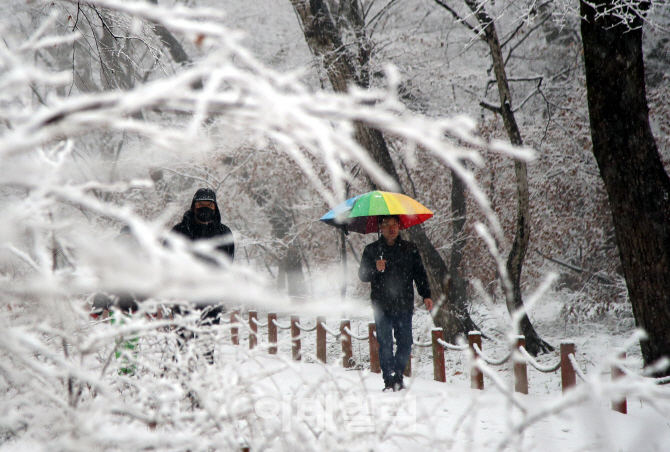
<point>515,259</point>
<point>637,185</point>
<point>457,287</point>
<point>324,39</point>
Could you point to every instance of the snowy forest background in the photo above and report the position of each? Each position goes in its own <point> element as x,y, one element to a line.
<point>115,112</point>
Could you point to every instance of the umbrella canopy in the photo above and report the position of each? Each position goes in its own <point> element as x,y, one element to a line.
<point>359,214</point>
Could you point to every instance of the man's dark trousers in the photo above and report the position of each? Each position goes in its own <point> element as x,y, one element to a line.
<point>388,325</point>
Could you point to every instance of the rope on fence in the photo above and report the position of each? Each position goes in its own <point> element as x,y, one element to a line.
<point>575,366</point>
<point>490,361</point>
<point>423,344</point>
<point>287,327</point>
<point>329,331</point>
<point>502,387</point>
<point>447,345</point>
<point>262,325</point>
<point>307,330</point>
<point>360,338</point>
<point>630,373</point>
<point>530,360</point>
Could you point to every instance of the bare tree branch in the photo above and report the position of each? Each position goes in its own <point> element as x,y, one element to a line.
<point>490,107</point>
<point>458,18</point>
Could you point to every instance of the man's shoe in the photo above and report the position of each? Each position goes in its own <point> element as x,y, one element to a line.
<point>398,384</point>
<point>389,386</point>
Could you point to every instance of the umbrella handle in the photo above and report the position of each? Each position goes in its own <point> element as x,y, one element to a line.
<point>381,251</point>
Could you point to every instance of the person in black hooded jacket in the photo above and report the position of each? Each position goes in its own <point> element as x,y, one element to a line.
<point>201,222</point>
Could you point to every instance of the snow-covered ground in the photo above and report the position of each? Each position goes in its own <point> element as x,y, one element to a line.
<point>449,416</point>
<point>63,390</point>
<point>328,401</point>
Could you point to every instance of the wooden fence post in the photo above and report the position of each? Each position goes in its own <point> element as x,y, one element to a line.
<point>321,339</point>
<point>233,329</point>
<point>439,370</point>
<point>520,368</point>
<point>408,367</point>
<point>253,329</point>
<point>347,354</point>
<point>374,348</point>
<point>295,336</point>
<point>476,375</point>
<point>568,375</point>
<point>272,333</point>
<point>619,404</point>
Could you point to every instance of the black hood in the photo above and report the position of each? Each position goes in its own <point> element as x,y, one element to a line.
<point>205,194</point>
<point>195,231</point>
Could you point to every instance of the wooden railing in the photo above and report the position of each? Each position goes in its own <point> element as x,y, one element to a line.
<point>567,364</point>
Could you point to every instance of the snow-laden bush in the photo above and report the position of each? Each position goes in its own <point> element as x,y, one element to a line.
<point>63,386</point>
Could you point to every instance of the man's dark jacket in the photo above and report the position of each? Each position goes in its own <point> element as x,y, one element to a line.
<point>189,228</point>
<point>392,290</point>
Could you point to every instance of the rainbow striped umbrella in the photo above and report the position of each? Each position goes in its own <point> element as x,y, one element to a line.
<point>360,214</point>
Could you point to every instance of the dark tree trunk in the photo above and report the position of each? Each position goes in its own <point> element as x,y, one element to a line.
<point>458,285</point>
<point>637,185</point>
<point>295,275</point>
<point>324,39</point>
<point>515,259</point>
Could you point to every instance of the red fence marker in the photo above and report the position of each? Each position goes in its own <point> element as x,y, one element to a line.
<point>374,348</point>
<point>568,375</point>
<point>476,375</point>
<point>408,367</point>
<point>272,333</point>
<point>321,339</point>
<point>439,370</point>
<point>520,368</point>
<point>253,329</point>
<point>347,354</point>
<point>295,336</point>
<point>233,329</point>
<point>619,404</point>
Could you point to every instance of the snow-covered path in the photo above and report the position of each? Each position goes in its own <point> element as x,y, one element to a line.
<point>320,403</point>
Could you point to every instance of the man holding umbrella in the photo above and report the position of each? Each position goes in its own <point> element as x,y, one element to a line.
<point>392,265</point>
